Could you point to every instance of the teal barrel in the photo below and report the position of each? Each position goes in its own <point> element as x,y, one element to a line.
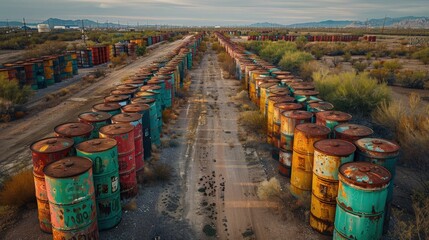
<point>384,153</point>
<point>168,94</point>
<point>361,200</point>
<point>70,189</point>
<point>352,132</point>
<point>120,99</point>
<point>153,121</point>
<point>306,96</point>
<point>77,131</point>
<point>164,94</point>
<point>316,107</point>
<point>104,156</point>
<point>332,119</point>
<point>157,123</point>
<point>111,108</point>
<point>96,119</point>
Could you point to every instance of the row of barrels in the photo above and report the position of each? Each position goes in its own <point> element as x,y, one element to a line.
<point>347,174</point>
<point>83,172</point>
<point>312,38</point>
<point>41,72</point>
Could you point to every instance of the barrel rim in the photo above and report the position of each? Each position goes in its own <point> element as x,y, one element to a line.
<point>65,138</point>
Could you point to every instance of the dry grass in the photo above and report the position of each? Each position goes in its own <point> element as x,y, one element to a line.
<point>410,125</point>
<point>253,120</point>
<point>18,190</point>
<point>157,172</point>
<point>168,115</point>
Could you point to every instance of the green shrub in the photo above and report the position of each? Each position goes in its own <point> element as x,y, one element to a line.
<point>253,121</point>
<point>292,61</point>
<point>350,92</point>
<point>381,74</point>
<point>307,69</point>
<point>392,65</point>
<point>412,79</point>
<point>347,57</point>
<point>273,51</point>
<point>11,91</point>
<point>422,55</point>
<point>47,48</point>
<point>360,66</point>
<point>140,50</point>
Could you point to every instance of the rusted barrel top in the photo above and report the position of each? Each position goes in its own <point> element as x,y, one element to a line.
<point>96,145</point>
<point>287,106</point>
<point>95,116</point>
<point>336,116</point>
<point>298,114</point>
<point>126,117</point>
<point>107,106</point>
<point>135,108</point>
<point>68,167</point>
<point>52,145</point>
<point>335,147</point>
<point>73,129</point>
<point>311,129</point>
<point>364,174</point>
<point>116,129</point>
<point>377,145</point>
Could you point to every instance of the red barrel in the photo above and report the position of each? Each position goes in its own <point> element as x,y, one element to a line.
<point>43,152</point>
<point>123,133</point>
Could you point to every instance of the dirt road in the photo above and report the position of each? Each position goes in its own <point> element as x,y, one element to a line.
<point>16,137</point>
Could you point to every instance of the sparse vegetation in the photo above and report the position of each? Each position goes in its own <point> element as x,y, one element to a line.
<point>253,121</point>
<point>156,171</point>
<point>18,190</point>
<point>12,92</point>
<point>47,48</point>
<point>274,51</point>
<point>360,66</point>
<point>119,60</point>
<point>292,61</point>
<point>227,64</point>
<point>422,55</point>
<point>412,79</point>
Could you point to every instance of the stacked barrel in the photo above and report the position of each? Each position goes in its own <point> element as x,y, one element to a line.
<point>334,163</point>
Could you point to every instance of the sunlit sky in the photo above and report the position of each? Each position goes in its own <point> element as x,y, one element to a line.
<point>209,12</point>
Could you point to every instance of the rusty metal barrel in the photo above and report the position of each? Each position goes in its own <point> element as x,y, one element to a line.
<point>305,135</point>
<point>43,152</point>
<point>361,201</point>
<point>319,106</point>
<point>384,153</point>
<point>71,197</point>
<point>263,96</point>
<point>120,99</point>
<point>153,119</point>
<point>103,153</point>
<point>352,132</point>
<point>270,113</point>
<point>110,107</point>
<point>96,119</point>
<point>329,154</point>
<point>77,131</point>
<point>279,108</point>
<point>332,119</point>
<point>123,133</point>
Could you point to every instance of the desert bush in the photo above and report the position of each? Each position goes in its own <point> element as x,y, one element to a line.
<point>347,57</point>
<point>377,64</point>
<point>422,55</point>
<point>350,92</point>
<point>119,60</point>
<point>216,47</point>
<point>255,46</point>
<point>292,61</point>
<point>47,48</point>
<point>11,91</point>
<point>254,121</point>
<point>392,65</point>
<point>99,73</point>
<point>307,69</point>
<point>273,51</point>
<point>18,190</point>
<point>227,63</point>
<point>300,42</point>
<point>410,125</point>
<point>360,66</point>
<point>412,79</point>
<point>381,74</point>
<point>140,50</point>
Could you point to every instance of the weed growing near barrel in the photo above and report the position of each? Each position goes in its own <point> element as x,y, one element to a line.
<point>11,91</point>
<point>253,121</point>
<point>292,61</point>
<point>18,190</point>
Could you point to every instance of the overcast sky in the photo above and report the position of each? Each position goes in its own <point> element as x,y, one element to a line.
<point>210,12</point>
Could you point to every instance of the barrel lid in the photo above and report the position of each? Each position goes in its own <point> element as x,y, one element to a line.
<point>155,81</point>
<point>287,106</point>
<point>117,128</point>
<point>96,145</point>
<point>322,105</point>
<point>107,106</point>
<point>335,147</point>
<point>281,73</point>
<point>306,92</point>
<point>267,84</point>
<point>126,117</point>
<point>365,174</point>
<point>126,86</point>
<point>123,91</point>
<point>135,108</point>
<point>302,86</point>
<point>67,167</point>
<point>162,77</point>
<point>350,129</point>
<point>279,99</point>
<point>378,145</point>
<point>334,116</point>
<point>279,92</point>
<point>73,129</point>
<point>143,100</point>
<point>150,87</point>
<point>281,77</point>
<point>313,129</point>
<point>116,98</point>
<point>135,81</point>
<point>95,116</point>
<point>298,114</point>
<point>145,94</point>
<point>52,145</point>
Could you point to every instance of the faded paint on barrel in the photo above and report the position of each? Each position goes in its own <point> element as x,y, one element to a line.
<point>263,97</point>
<point>120,99</point>
<point>329,154</point>
<point>306,96</point>
<point>270,113</point>
<point>352,132</point>
<point>78,131</point>
<point>361,201</point>
<point>127,92</point>
<point>332,119</point>
<point>285,162</point>
<point>289,120</point>
<point>154,118</point>
<point>104,156</point>
<point>123,133</point>
<point>279,108</point>
<point>305,135</point>
<point>70,188</point>
<point>111,108</point>
<point>96,119</point>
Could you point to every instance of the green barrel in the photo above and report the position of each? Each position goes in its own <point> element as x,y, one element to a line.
<point>96,119</point>
<point>57,70</point>
<point>111,108</point>
<point>361,201</point>
<point>153,121</point>
<point>157,123</point>
<point>168,81</point>
<point>316,107</point>
<point>77,131</point>
<point>104,156</point>
<point>70,189</point>
<point>189,60</point>
<point>163,92</point>
<point>384,153</point>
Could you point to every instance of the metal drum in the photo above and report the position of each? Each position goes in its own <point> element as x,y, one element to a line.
<point>157,97</point>
<point>104,156</point>
<point>263,96</point>
<point>134,119</point>
<point>96,119</point>
<point>289,120</point>
<point>120,99</point>
<point>153,117</point>
<point>362,193</point>
<point>123,133</point>
<point>294,86</point>
<point>329,154</point>
<point>163,94</point>
<point>111,108</point>
<point>352,132</point>
<point>270,113</point>
<point>384,153</point>
<point>43,152</point>
<point>71,197</point>
<point>279,108</point>
<point>305,135</point>
<point>316,107</point>
<point>332,119</point>
<point>306,96</point>
<point>126,92</point>
<point>144,110</point>
<point>78,131</point>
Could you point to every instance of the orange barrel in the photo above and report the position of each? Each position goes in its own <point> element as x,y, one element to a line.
<point>120,99</point>
<point>329,154</point>
<point>144,110</point>
<point>71,197</point>
<point>96,119</point>
<point>123,133</point>
<point>332,119</point>
<point>109,107</point>
<point>305,135</point>
<point>78,131</point>
<point>270,113</point>
<point>352,132</point>
<point>279,108</point>
<point>44,152</point>
<point>134,119</point>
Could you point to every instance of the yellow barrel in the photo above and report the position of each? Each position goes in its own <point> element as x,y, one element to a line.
<point>288,121</point>
<point>305,135</point>
<point>279,109</point>
<point>263,96</point>
<point>270,113</point>
<point>323,210</point>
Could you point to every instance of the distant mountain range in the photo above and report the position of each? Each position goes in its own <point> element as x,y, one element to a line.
<point>401,22</point>
<point>60,22</point>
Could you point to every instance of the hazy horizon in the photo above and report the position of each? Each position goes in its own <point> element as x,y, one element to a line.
<point>205,12</point>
